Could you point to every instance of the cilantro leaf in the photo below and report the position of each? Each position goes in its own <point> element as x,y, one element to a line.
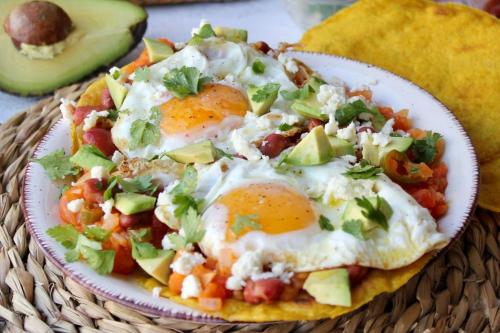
<point>301,93</point>
<point>142,74</point>
<point>92,150</point>
<point>108,193</point>
<point>206,31</point>
<point>424,150</point>
<point>141,247</point>
<point>102,261</point>
<point>242,222</point>
<point>363,171</point>
<point>143,133</point>
<point>183,203</point>
<point>187,185</point>
<point>258,66</point>
<point>348,112</point>
<point>285,127</point>
<point>325,224</point>
<point>192,226</point>
<point>139,184</point>
<point>57,165</point>
<point>354,227</point>
<point>72,255</point>
<point>377,213</point>
<point>65,234</point>
<point>113,114</point>
<point>178,242</point>
<point>265,92</point>
<point>184,81</point>
<point>97,234</point>
<point>221,153</point>
<point>155,114</point>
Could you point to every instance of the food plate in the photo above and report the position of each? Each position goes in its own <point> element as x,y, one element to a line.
<point>40,194</point>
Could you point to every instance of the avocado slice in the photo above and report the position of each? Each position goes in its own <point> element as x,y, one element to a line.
<point>341,147</point>
<point>158,267</point>
<point>133,203</point>
<point>313,149</point>
<point>353,211</point>
<point>232,34</point>
<point>330,287</point>
<point>315,82</point>
<point>260,108</point>
<point>117,91</point>
<point>103,31</point>
<point>88,157</point>
<point>157,51</point>
<point>401,144</point>
<point>202,152</point>
<point>374,154</point>
<point>309,108</point>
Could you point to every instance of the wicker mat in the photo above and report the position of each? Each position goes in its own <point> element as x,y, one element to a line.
<point>459,291</point>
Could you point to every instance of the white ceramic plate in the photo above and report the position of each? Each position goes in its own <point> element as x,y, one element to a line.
<point>41,195</point>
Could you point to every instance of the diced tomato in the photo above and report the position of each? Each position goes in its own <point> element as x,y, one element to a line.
<point>387,112</point>
<point>401,121</point>
<point>210,303</point>
<point>83,111</point>
<point>214,290</point>
<point>425,197</point>
<point>93,190</point>
<point>439,181</point>
<point>158,230</point>
<point>226,261</point>
<point>175,283</point>
<point>66,215</point>
<point>141,61</point>
<point>106,99</point>
<point>367,94</point>
<point>101,138</point>
<point>267,291</point>
<point>167,41</point>
<point>357,274</point>
<point>417,133</point>
<point>124,263</point>
<point>439,210</point>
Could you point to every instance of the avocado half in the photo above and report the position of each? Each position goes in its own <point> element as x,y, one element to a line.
<point>103,32</point>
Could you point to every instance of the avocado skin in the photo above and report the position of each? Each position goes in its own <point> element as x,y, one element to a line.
<point>137,31</point>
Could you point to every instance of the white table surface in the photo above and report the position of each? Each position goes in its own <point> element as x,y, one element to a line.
<point>264,19</point>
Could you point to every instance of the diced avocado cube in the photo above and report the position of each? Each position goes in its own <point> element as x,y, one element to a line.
<point>89,216</point>
<point>353,211</point>
<point>157,51</point>
<point>370,152</point>
<point>232,34</point>
<point>313,149</point>
<point>309,108</point>
<point>158,267</point>
<point>341,147</point>
<point>86,159</point>
<point>133,203</point>
<point>117,91</point>
<point>202,152</point>
<point>401,144</point>
<point>260,108</point>
<point>330,287</point>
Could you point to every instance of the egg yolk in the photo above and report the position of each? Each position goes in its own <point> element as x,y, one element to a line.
<point>208,107</point>
<point>275,208</point>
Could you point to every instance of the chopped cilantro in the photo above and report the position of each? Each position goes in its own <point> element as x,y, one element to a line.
<point>57,165</point>
<point>243,222</point>
<point>155,114</point>
<point>139,184</point>
<point>193,232</point>
<point>206,31</point>
<point>354,227</point>
<point>97,234</point>
<point>221,153</point>
<point>184,81</point>
<point>363,171</point>
<point>142,74</point>
<point>102,261</point>
<point>375,213</point>
<point>258,66</point>
<point>65,234</point>
<point>143,133</point>
<point>424,150</point>
<point>348,112</point>
<point>325,224</point>
<point>141,248</point>
<point>285,127</point>
<point>113,114</point>
<point>182,197</point>
<point>108,193</point>
<point>301,93</point>
<point>265,92</point>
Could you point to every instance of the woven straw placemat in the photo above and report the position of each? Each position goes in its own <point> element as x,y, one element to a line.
<point>459,291</point>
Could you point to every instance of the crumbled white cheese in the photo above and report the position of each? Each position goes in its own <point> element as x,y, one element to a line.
<point>244,147</point>
<point>348,133</point>
<point>191,287</point>
<point>380,139</point>
<point>235,283</point>
<point>156,292</point>
<point>91,119</point>
<point>117,157</point>
<point>278,270</point>
<point>179,45</point>
<point>345,188</point>
<point>67,107</point>
<point>332,126</point>
<point>289,63</point>
<point>349,158</point>
<point>166,244</point>
<point>331,97</point>
<point>387,128</point>
<point>164,210</point>
<point>99,172</point>
<point>186,262</point>
<point>264,123</point>
<point>290,119</point>
<point>75,206</point>
<point>107,207</point>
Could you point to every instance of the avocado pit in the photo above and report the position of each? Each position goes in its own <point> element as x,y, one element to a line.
<point>38,29</point>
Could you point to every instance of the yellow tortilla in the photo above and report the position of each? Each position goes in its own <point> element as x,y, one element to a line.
<point>450,50</point>
<point>489,196</point>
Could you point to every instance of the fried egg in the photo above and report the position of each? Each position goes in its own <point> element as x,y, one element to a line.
<point>289,231</point>
<point>213,113</point>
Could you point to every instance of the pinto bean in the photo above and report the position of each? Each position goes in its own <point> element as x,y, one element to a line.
<point>101,138</point>
<point>134,220</point>
<point>313,123</point>
<point>93,190</point>
<point>106,100</point>
<point>274,144</point>
<point>83,111</point>
<point>357,273</point>
<point>267,291</point>
<point>366,129</point>
<point>262,47</point>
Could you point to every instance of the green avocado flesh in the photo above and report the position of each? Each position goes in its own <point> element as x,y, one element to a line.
<point>104,30</point>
